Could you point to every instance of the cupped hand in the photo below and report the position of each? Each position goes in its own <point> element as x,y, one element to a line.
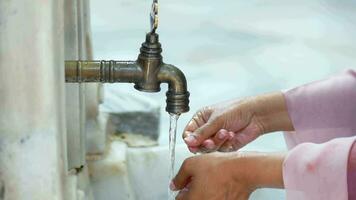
<point>231,125</point>
<point>223,127</point>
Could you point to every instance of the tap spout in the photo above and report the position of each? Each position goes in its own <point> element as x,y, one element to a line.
<point>177,94</point>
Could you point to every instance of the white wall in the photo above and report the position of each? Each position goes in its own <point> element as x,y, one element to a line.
<point>32,128</point>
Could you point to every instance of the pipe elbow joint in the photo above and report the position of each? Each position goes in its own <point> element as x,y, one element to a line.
<point>177,94</point>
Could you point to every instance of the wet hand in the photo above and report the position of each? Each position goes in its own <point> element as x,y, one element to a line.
<point>231,125</point>
<point>229,176</point>
<point>222,127</point>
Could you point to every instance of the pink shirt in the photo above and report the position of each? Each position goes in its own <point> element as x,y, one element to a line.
<point>351,170</point>
<point>322,163</point>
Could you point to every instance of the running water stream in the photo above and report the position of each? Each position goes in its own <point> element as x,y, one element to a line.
<point>172,145</point>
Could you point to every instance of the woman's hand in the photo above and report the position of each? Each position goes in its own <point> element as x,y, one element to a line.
<point>229,176</point>
<point>231,125</point>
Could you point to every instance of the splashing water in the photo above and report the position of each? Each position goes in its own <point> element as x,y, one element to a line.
<point>172,145</point>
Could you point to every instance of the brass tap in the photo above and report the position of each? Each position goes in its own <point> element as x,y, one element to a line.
<point>147,73</point>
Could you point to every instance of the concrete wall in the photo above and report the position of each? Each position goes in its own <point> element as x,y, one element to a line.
<point>32,128</point>
<point>81,99</point>
<point>42,156</point>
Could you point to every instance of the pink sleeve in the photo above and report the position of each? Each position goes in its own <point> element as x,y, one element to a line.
<point>318,171</point>
<point>351,173</point>
<point>320,112</point>
<point>323,110</point>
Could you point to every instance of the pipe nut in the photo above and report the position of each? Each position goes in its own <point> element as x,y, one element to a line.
<point>177,103</point>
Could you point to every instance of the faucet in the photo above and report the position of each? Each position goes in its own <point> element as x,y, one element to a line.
<point>147,73</point>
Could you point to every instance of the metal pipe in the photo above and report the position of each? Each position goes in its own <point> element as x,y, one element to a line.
<point>102,71</point>
<point>148,72</point>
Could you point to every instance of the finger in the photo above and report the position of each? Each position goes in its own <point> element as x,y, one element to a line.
<point>186,133</point>
<point>231,144</point>
<point>184,175</point>
<point>182,195</point>
<point>214,143</point>
<point>202,134</point>
<point>193,149</point>
<point>227,147</point>
<point>220,137</point>
<point>188,136</point>
<point>241,138</point>
<point>231,135</point>
<point>190,128</point>
<point>194,123</point>
<point>191,140</point>
<point>209,144</point>
<point>198,120</point>
<point>206,131</point>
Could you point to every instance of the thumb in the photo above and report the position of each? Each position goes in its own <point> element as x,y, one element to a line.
<point>208,130</point>
<point>183,177</point>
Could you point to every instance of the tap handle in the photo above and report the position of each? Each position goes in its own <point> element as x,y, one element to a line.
<point>154,16</point>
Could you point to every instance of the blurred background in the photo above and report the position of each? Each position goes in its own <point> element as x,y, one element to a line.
<point>232,48</point>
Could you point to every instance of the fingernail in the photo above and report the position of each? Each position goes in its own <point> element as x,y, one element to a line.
<point>221,135</point>
<point>190,139</point>
<point>209,144</point>
<point>172,186</point>
<point>231,135</point>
